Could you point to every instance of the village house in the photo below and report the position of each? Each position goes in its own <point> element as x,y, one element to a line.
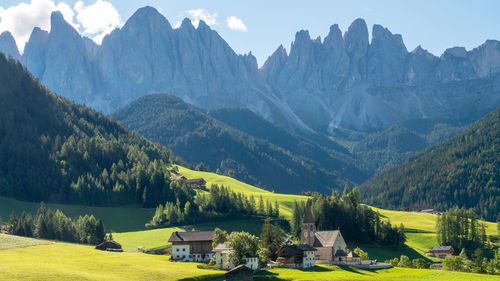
<point>194,183</point>
<point>200,183</point>
<point>441,252</point>
<point>192,246</point>
<point>296,256</point>
<point>3,226</point>
<point>222,260</point>
<point>239,273</point>
<point>330,245</point>
<point>110,245</point>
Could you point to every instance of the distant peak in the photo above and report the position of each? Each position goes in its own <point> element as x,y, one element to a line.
<point>302,35</point>
<point>203,25</point>
<point>357,30</point>
<point>334,37</point>
<point>186,23</point>
<point>147,14</point>
<point>58,23</point>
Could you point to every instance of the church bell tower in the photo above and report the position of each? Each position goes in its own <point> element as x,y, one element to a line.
<point>308,226</point>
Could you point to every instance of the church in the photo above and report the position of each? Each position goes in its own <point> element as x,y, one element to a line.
<point>329,244</point>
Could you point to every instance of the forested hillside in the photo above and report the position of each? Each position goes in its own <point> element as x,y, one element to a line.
<point>197,137</point>
<point>463,171</point>
<point>54,150</point>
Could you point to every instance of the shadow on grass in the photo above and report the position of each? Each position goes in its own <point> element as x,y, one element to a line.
<point>351,269</point>
<point>383,253</point>
<point>266,276</point>
<point>211,277</point>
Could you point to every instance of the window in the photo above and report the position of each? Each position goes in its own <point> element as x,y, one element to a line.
<point>177,249</point>
<point>183,249</point>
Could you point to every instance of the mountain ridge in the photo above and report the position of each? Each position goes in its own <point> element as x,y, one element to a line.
<point>343,81</point>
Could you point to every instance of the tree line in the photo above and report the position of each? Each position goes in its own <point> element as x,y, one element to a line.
<point>358,222</point>
<point>219,203</point>
<point>55,225</point>
<point>461,229</point>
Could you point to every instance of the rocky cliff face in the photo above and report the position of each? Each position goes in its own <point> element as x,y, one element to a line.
<point>8,45</point>
<point>350,82</point>
<point>342,81</point>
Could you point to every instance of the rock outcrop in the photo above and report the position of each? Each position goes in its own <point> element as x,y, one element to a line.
<point>319,85</point>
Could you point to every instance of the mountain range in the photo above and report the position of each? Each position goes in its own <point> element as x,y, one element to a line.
<point>320,86</point>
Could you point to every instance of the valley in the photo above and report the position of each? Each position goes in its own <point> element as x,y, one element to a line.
<point>149,149</point>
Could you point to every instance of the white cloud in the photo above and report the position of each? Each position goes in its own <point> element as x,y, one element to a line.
<point>235,23</point>
<point>98,19</point>
<point>23,17</point>
<point>94,20</point>
<point>201,14</point>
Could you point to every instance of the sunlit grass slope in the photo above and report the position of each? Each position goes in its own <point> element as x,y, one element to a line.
<point>325,272</point>
<point>285,201</point>
<point>65,261</point>
<point>12,241</point>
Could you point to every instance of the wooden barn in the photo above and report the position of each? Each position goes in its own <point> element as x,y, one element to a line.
<point>109,245</point>
<point>239,273</point>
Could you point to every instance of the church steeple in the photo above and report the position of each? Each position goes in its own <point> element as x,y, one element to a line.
<point>308,226</point>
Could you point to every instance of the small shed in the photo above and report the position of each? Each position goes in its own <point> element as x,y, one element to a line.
<point>3,226</point>
<point>353,257</point>
<point>109,245</point>
<point>239,273</point>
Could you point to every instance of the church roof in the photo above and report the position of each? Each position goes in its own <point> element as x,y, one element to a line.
<point>325,238</point>
<point>308,217</point>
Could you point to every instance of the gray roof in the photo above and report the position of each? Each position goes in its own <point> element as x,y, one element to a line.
<point>240,267</point>
<point>222,248</point>
<point>340,253</point>
<point>352,255</point>
<point>326,238</point>
<point>297,249</point>
<point>191,236</point>
<point>441,248</point>
<point>195,181</point>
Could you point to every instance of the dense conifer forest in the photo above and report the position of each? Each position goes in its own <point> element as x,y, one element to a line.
<point>293,166</point>
<point>463,172</point>
<point>55,150</point>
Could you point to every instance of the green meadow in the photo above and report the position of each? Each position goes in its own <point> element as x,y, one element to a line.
<point>29,259</point>
<point>65,261</point>
<point>116,219</point>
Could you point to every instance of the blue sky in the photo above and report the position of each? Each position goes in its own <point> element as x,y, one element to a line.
<point>264,25</point>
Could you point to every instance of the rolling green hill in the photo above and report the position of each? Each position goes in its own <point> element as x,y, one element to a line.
<point>463,172</point>
<point>54,150</point>
<point>291,165</point>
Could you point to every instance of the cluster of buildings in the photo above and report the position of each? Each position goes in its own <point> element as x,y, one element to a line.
<point>318,247</point>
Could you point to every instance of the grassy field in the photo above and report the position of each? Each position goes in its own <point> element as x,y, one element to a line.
<point>65,261</point>
<point>159,237</point>
<point>325,272</point>
<point>285,201</point>
<point>11,242</point>
<point>116,219</point>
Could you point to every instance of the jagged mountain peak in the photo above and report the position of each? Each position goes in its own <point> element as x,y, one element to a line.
<point>147,17</point>
<point>334,37</point>
<point>59,25</point>
<point>8,45</point>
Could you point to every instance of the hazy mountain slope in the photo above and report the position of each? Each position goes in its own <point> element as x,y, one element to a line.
<point>342,81</point>
<point>54,150</point>
<point>463,171</point>
<point>197,137</point>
